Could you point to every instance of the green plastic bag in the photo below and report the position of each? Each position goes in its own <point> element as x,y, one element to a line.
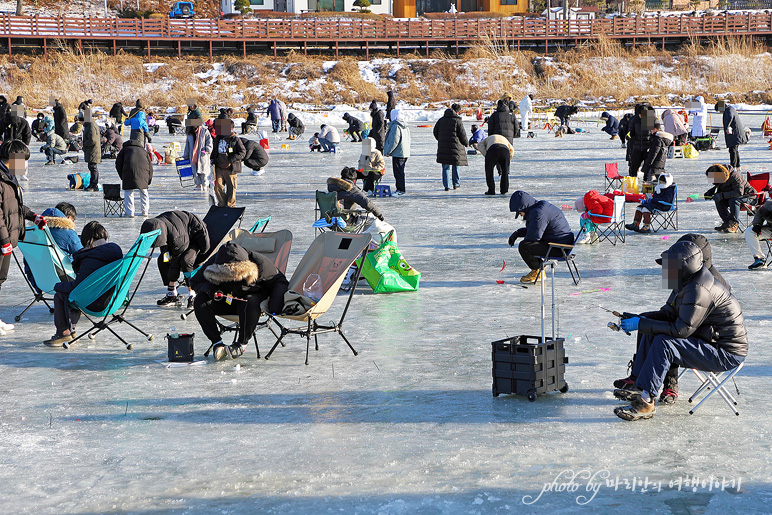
<point>386,271</point>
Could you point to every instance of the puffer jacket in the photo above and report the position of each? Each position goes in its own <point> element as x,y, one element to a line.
<point>88,260</point>
<point>15,127</point>
<point>137,121</point>
<point>371,158</point>
<point>296,123</point>
<point>732,122</point>
<point>92,145</point>
<point>118,113</point>
<point>496,139</point>
<point>377,125</point>
<point>702,307</point>
<point>565,112</point>
<point>60,121</point>
<point>55,141</point>
<point>180,230</point>
<point>113,138</point>
<point>349,194</point>
<point>354,123</point>
<point>397,143</point>
<point>63,231</point>
<point>236,271</point>
<point>273,110</point>
<point>233,156</point>
<point>673,122</point>
<point>13,212</point>
<point>194,113</point>
<point>255,156</point>
<point>134,166</point>
<point>612,124</point>
<point>624,126</point>
<point>391,103</point>
<point>657,154</point>
<point>502,122</point>
<point>330,133</point>
<point>734,184</point>
<point>48,124</point>
<point>451,139</point>
<point>598,204</point>
<point>543,221</point>
<point>640,137</point>
<point>663,195</point>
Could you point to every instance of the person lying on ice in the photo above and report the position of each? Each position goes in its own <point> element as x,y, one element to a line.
<point>234,282</point>
<point>544,224</point>
<point>625,388</point>
<point>703,329</point>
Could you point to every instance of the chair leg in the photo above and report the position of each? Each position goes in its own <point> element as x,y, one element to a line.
<point>340,332</point>
<point>308,339</point>
<point>278,341</point>
<point>206,354</point>
<point>257,348</point>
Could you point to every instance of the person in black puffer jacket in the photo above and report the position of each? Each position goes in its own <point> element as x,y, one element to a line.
<point>391,104</point>
<point>377,125</point>
<point>349,194</point>
<point>296,126</point>
<point>256,157</point>
<point>502,121</point>
<point>60,121</point>
<point>136,172</point>
<point>564,113</point>
<point>544,224</point>
<point>451,146</point>
<point>729,191</point>
<point>250,122</point>
<point>248,278</point>
<point>95,254</point>
<point>624,128</point>
<point>118,113</point>
<point>703,329</point>
<point>639,137</point>
<point>184,242</point>
<point>355,127</point>
<point>15,126</point>
<point>656,155</point>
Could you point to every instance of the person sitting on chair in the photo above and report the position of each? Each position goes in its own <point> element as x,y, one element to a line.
<point>251,121</point>
<point>348,194</point>
<point>661,200</point>
<point>729,191</point>
<point>235,282</point>
<point>372,166</point>
<point>760,229</point>
<point>95,254</point>
<point>183,240</point>
<point>173,123</point>
<point>544,224</point>
<point>703,328</point>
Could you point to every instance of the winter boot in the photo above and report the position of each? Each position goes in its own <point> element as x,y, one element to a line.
<point>626,383</point>
<point>220,351</point>
<point>532,277</point>
<point>632,227</point>
<point>646,229</point>
<point>668,397</point>
<point>637,410</point>
<point>722,227</point>
<point>169,300</point>
<point>235,350</point>
<point>627,393</point>
<point>757,263</point>
<point>731,227</point>
<point>58,340</point>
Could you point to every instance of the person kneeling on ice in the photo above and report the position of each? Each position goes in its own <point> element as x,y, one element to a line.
<point>625,388</point>
<point>760,229</point>
<point>703,328</point>
<point>612,124</point>
<point>661,200</point>
<point>595,209</point>
<point>95,254</point>
<point>235,282</point>
<point>544,224</point>
<point>184,239</point>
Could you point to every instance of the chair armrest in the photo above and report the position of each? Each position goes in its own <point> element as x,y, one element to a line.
<point>561,245</point>
<point>601,216</point>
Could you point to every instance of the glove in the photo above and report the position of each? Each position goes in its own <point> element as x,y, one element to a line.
<point>629,324</point>
<point>512,239</point>
<point>6,249</point>
<point>756,229</point>
<point>40,221</point>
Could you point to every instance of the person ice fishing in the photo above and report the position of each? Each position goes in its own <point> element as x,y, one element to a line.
<point>734,131</point>
<point>729,191</point>
<point>526,110</point>
<point>699,112</point>
<point>639,131</point>
<point>544,224</point>
<point>702,328</point>
<point>612,124</point>
<point>760,229</point>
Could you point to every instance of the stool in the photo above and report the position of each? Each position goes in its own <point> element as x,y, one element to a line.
<point>382,190</point>
<point>334,148</point>
<point>675,151</point>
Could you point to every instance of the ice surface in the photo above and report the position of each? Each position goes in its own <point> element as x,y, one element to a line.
<point>409,425</point>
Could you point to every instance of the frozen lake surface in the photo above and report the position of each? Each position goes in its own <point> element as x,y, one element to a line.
<point>409,425</point>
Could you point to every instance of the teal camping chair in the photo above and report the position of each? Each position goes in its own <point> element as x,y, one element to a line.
<point>48,264</point>
<point>110,287</point>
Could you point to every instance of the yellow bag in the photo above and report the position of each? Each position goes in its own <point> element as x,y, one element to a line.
<point>690,152</point>
<point>630,185</point>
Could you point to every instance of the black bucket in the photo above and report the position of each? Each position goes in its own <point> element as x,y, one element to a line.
<point>180,348</point>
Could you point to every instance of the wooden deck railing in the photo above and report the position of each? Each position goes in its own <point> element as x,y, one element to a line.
<point>331,30</point>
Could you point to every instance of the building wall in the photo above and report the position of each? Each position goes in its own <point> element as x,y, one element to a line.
<point>404,9</point>
<point>496,6</point>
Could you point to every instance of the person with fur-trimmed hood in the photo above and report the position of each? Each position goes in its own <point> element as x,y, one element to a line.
<point>236,281</point>
<point>661,200</point>
<point>659,141</point>
<point>349,194</point>
<point>355,127</point>
<point>702,328</point>
<point>183,241</point>
<point>612,124</point>
<point>377,125</point>
<point>729,191</point>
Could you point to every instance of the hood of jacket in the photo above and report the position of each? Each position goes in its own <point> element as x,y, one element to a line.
<point>688,257</point>
<point>394,115</point>
<point>368,145</point>
<point>346,116</point>
<point>150,225</point>
<point>665,136</point>
<point>521,201</point>
<point>55,219</point>
<point>340,183</point>
<point>232,264</point>
<point>450,113</point>
<point>503,107</point>
<point>373,106</point>
<point>668,182</point>
<point>605,115</point>
<point>704,245</point>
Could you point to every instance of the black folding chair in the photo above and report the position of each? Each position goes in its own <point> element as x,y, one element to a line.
<point>113,200</point>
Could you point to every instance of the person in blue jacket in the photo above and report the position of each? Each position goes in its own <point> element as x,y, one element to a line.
<point>612,124</point>
<point>478,134</point>
<point>138,123</point>
<point>95,254</point>
<point>274,111</point>
<point>544,224</point>
<point>61,222</point>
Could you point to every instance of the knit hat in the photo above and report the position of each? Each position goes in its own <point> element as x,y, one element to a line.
<point>348,174</point>
<point>579,204</point>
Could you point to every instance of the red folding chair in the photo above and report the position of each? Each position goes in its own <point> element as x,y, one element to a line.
<point>613,179</point>
<point>760,183</point>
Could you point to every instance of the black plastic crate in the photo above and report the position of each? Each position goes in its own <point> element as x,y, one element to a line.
<point>526,365</point>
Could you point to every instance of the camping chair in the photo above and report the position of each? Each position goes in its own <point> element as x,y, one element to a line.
<point>327,209</point>
<point>613,230</point>
<point>760,183</point>
<point>565,253</point>
<point>330,256</point>
<point>48,264</point>
<point>260,225</point>
<point>664,219</point>
<point>273,245</point>
<point>713,382</point>
<point>114,282</point>
<point>185,171</point>
<point>113,199</point>
<point>613,179</point>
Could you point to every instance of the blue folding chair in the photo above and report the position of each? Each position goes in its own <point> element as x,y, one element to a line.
<point>669,218</point>
<point>114,282</point>
<point>185,171</point>
<point>48,264</point>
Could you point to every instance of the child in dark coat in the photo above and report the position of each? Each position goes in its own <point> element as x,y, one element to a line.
<point>661,200</point>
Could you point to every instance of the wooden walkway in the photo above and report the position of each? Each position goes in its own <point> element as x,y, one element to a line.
<point>235,35</point>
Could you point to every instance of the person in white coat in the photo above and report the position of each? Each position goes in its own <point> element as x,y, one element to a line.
<point>699,112</point>
<point>198,148</point>
<point>329,138</point>
<point>526,110</point>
